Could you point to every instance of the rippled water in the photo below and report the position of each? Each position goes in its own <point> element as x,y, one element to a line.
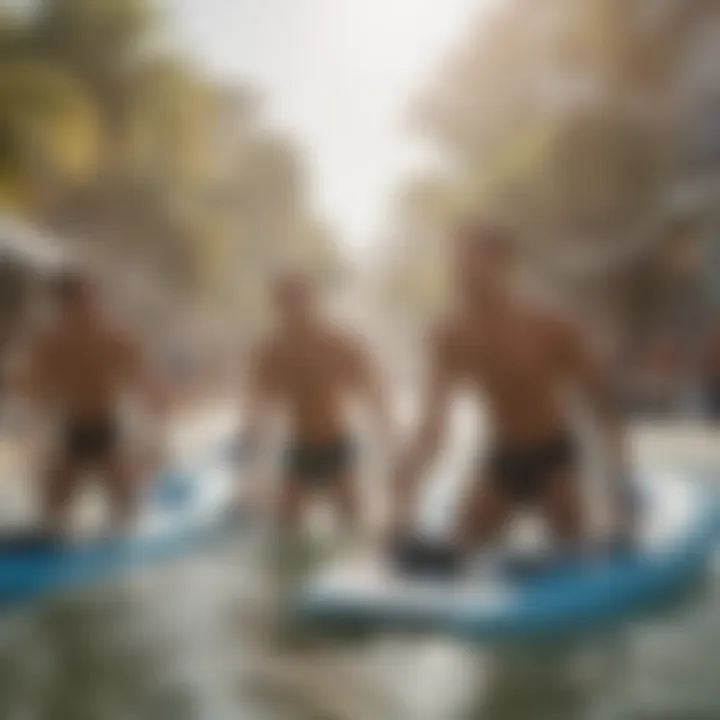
<point>206,638</point>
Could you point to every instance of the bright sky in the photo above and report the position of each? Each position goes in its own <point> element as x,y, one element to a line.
<point>339,74</point>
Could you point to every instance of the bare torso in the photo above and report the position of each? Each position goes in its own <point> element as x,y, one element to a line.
<point>84,370</point>
<point>515,362</point>
<point>312,375</point>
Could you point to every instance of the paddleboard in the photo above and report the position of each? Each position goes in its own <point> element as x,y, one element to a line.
<point>186,509</point>
<point>509,596</point>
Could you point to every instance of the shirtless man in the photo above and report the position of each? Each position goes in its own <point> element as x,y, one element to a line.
<point>81,368</point>
<point>523,359</point>
<point>310,369</point>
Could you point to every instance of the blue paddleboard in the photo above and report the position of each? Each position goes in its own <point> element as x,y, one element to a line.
<point>506,598</point>
<point>184,511</point>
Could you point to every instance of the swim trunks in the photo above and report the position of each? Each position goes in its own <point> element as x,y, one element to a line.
<point>319,462</point>
<point>522,472</point>
<point>90,440</point>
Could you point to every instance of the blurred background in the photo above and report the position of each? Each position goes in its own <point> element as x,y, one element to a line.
<point>184,149</point>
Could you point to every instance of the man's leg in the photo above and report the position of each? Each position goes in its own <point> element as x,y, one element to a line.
<point>484,515</point>
<point>344,497</point>
<point>122,478</point>
<point>62,478</point>
<point>292,501</point>
<point>338,467</point>
<point>564,508</point>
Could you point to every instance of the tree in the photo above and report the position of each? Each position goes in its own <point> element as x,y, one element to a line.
<point>103,43</point>
<point>561,118</point>
<point>48,133</point>
<point>155,170</point>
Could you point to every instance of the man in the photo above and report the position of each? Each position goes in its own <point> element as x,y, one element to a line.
<point>710,369</point>
<point>310,370</point>
<point>521,360</point>
<point>82,368</point>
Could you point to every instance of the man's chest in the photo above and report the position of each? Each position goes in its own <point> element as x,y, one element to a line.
<point>511,358</point>
<point>312,365</point>
<point>83,359</point>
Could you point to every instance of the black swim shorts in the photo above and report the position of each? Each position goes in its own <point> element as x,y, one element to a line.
<point>319,462</point>
<point>90,440</point>
<point>522,472</point>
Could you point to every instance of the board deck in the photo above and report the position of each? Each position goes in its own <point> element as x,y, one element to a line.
<point>503,597</point>
<point>185,511</point>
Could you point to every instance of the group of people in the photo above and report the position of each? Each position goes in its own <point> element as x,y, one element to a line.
<point>520,359</point>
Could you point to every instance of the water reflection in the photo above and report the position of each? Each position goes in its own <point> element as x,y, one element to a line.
<point>208,638</point>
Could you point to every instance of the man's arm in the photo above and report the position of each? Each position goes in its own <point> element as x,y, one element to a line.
<point>368,382</point>
<point>35,379</point>
<point>593,378</point>
<point>430,433</point>
<point>144,377</point>
<point>711,369</point>
<point>260,389</point>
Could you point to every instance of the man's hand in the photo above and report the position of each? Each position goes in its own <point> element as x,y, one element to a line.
<point>596,382</point>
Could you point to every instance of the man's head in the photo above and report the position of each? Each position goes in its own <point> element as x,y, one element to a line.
<point>293,297</point>
<point>484,259</point>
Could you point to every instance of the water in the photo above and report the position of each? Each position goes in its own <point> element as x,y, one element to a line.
<point>205,639</point>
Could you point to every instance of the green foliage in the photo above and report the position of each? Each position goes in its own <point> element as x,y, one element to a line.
<point>124,144</point>
<point>552,115</point>
<point>47,128</point>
